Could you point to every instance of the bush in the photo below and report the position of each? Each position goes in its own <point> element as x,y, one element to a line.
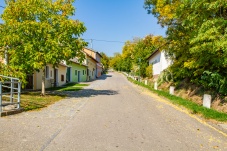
<point>213,80</point>
<point>149,71</point>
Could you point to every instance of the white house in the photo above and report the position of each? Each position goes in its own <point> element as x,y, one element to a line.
<point>159,62</point>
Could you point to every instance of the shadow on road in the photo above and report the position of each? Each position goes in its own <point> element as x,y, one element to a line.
<point>86,93</point>
<point>104,77</point>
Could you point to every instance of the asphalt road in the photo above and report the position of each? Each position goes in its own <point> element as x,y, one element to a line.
<point>110,114</point>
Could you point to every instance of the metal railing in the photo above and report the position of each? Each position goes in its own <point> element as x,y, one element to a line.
<point>10,91</point>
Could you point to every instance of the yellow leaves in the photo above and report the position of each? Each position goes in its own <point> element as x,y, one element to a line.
<point>166,10</point>
<point>190,64</point>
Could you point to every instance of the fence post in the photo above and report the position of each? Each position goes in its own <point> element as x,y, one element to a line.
<point>0,97</point>
<point>18,94</point>
<point>206,100</point>
<point>11,91</point>
<point>171,90</point>
<point>156,86</point>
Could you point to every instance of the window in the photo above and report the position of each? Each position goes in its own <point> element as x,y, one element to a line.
<point>62,77</point>
<point>83,72</point>
<point>75,72</point>
<point>47,71</point>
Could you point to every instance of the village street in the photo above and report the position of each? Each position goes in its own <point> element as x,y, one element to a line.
<point>110,114</point>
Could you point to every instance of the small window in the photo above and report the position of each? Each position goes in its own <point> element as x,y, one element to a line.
<point>47,71</point>
<point>83,72</point>
<point>62,78</point>
<point>75,72</point>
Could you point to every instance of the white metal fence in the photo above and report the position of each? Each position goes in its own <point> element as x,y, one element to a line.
<point>10,91</point>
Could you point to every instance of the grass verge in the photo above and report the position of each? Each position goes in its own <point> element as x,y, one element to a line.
<point>34,101</point>
<point>68,87</point>
<point>193,107</point>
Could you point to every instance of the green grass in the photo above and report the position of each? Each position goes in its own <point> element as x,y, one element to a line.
<point>68,87</point>
<point>34,101</point>
<point>193,107</point>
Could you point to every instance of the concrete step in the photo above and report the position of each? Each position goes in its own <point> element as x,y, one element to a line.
<point>11,112</point>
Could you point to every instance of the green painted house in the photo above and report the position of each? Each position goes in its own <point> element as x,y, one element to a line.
<point>76,72</point>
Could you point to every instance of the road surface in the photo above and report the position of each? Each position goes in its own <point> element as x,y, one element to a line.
<point>111,114</point>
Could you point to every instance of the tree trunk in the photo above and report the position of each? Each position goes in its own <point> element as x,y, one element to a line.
<point>43,83</point>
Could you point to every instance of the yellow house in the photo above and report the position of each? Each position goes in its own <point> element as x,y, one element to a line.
<point>53,77</point>
<point>97,57</point>
<point>91,69</point>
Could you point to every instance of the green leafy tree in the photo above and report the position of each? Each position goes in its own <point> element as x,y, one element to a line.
<point>40,32</point>
<point>149,71</point>
<point>135,53</point>
<point>105,61</point>
<point>196,35</point>
<point>143,49</point>
<point>116,62</point>
<point>127,56</point>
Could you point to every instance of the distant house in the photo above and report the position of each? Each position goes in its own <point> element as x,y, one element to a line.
<point>159,62</point>
<point>92,67</point>
<point>97,56</point>
<point>77,72</point>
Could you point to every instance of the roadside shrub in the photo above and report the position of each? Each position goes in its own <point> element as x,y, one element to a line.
<point>149,71</point>
<point>165,76</point>
<point>213,80</point>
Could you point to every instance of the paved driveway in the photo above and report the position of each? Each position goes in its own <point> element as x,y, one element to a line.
<point>110,114</point>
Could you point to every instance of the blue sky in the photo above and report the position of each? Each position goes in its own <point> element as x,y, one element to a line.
<point>113,20</point>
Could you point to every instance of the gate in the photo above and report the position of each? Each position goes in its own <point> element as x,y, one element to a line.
<point>10,90</point>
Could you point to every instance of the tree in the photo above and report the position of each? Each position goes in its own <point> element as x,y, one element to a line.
<point>135,53</point>
<point>196,35</point>
<point>143,49</point>
<point>105,61</point>
<point>40,32</point>
<point>116,62</point>
<point>149,71</point>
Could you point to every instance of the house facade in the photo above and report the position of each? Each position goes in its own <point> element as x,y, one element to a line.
<point>92,67</point>
<point>89,69</point>
<point>77,72</point>
<point>53,77</point>
<point>97,56</point>
<point>159,61</point>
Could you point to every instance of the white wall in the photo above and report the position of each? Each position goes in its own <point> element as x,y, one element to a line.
<point>164,61</point>
<point>157,68</point>
<point>160,62</point>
